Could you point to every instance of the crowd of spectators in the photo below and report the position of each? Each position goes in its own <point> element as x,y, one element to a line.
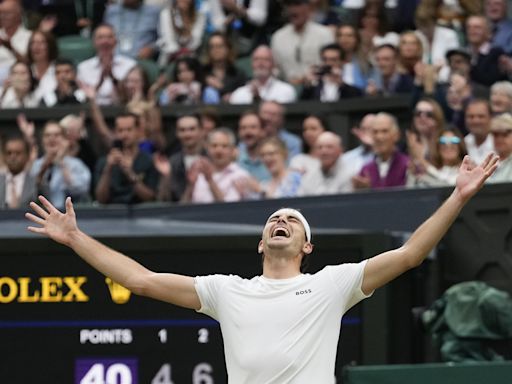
<point>453,58</point>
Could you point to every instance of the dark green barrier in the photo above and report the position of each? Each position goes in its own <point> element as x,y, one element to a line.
<point>484,373</point>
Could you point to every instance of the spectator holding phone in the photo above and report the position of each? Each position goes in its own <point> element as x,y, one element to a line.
<point>126,175</point>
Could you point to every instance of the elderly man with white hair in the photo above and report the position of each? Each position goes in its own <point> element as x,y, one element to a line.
<point>333,175</point>
<point>501,97</point>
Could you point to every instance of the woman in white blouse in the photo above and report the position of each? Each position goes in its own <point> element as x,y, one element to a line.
<point>18,89</point>
<point>180,30</point>
<point>42,52</point>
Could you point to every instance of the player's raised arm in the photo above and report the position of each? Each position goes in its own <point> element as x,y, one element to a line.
<point>385,267</point>
<point>63,228</point>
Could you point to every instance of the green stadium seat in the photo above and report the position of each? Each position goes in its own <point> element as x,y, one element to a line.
<point>151,68</point>
<point>245,64</point>
<point>76,48</point>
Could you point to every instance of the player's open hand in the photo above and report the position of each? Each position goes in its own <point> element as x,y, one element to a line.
<point>471,177</point>
<point>51,222</point>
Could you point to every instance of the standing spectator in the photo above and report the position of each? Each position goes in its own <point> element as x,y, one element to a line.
<point>444,167</point>
<point>173,170</point>
<point>181,30</point>
<point>106,69</point>
<point>485,59</point>
<point>356,67</point>
<point>66,90</point>
<point>126,175</point>
<point>13,37</point>
<point>325,82</point>
<point>388,79</point>
<point>216,178</point>
<point>332,176</point>
<point>389,167</point>
<point>17,186</point>
<point>18,90</point>
<point>42,52</point>
<point>250,134</point>
<point>135,24</point>
<point>221,74</point>
<point>296,46</point>
<point>496,12</point>
<point>501,128</point>
<point>312,127</point>
<point>57,174</point>
<point>186,86</point>
<point>272,114</point>
<point>263,86</point>
<point>479,140</point>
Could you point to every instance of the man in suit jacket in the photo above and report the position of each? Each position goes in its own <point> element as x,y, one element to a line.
<point>325,82</point>
<point>17,187</point>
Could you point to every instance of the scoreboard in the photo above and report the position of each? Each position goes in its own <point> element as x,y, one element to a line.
<point>63,322</point>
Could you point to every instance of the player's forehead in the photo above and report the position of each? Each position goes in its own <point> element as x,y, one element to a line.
<point>287,212</point>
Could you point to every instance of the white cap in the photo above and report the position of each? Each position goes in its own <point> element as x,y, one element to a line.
<point>296,214</point>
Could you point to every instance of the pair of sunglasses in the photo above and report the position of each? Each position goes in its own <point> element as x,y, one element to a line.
<point>449,140</point>
<point>418,113</point>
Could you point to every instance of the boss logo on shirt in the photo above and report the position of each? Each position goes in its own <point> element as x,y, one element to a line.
<point>304,292</point>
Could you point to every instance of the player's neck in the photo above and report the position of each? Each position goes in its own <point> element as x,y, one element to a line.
<point>281,267</point>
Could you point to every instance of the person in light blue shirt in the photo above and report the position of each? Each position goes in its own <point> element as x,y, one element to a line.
<point>136,27</point>
<point>58,175</point>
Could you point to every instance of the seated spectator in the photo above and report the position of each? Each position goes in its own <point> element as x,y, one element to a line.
<point>443,169</point>
<point>356,67</point>
<point>501,129</point>
<point>42,53</point>
<point>332,176</point>
<point>13,37</point>
<point>501,97</point>
<point>479,142</point>
<point>78,144</point>
<point>66,90</point>
<point>388,79</point>
<point>362,154</point>
<point>436,39</point>
<point>126,175</point>
<point>222,76</point>
<point>428,121</point>
<point>135,23</point>
<point>17,185</point>
<point>173,171</point>
<point>389,167</point>
<point>216,178</point>
<point>312,127</point>
<point>186,85</point>
<point>18,90</point>
<point>64,17</point>
<point>485,59</point>
<point>325,82</point>
<point>250,134</point>
<point>263,86</point>
<point>374,28</point>
<point>106,69</point>
<point>284,182</point>
<point>273,116</point>
<point>57,174</point>
<point>323,13</point>
<point>181,30</point>
<point>410,52</point>
<point>296,46</point>
<point>245,22</point>
<point>496,12</point>
<point>210,119</point>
